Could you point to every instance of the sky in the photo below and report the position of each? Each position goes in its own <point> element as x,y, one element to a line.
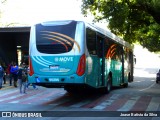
<point>33,11</point>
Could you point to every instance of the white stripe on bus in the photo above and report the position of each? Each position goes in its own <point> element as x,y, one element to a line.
<point>46,61</point>
<point>34,58</point>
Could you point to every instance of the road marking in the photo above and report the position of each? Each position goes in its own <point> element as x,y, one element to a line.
<point>77,105</point>
<point>142,103</point>
<point>154,104</point>
<point>107,102</point>
<point>148,87</point>
<point>129,104</point>
<point>6,87</point>
<point>10,98</point>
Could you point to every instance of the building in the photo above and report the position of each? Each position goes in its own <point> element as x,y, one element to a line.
<point>14,44</point>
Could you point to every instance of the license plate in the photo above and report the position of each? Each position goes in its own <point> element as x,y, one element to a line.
<point>54,67</point>
<point>54,79</point>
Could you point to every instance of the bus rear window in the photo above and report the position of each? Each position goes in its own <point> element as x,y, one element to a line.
<point>55,39</point>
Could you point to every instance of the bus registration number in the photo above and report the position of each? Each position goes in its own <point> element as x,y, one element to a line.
<point>54,79</point>
<point>54,67</point>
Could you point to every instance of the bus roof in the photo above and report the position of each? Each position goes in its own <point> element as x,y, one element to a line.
<point>110,35</point>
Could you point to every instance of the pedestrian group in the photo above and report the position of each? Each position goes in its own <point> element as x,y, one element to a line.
<point>18,74</point>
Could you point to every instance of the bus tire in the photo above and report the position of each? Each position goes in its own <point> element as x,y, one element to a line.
<point>125,85</point>
<point>69,89</point>
<point>108,87</point>
<point>109,84</point>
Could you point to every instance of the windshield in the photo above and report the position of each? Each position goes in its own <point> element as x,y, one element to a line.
<point>55,39</point>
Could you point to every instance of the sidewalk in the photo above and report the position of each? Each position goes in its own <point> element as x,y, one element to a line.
<point>7,85</point>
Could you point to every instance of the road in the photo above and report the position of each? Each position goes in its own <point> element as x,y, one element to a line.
<point>141,95</point>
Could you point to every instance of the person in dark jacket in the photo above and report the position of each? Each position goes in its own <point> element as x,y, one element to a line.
<point>1,75</point>
<point>9,73</point>
<point>14,71</point>
<point>22,78</point>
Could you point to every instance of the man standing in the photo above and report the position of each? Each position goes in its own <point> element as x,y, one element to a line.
<point>1,75</point>
<point>22,78</point>
<point>14,71</point>
<point>9,73</point>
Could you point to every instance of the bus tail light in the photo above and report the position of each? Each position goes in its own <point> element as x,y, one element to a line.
<point>31,71</point>
<point>81,65</point>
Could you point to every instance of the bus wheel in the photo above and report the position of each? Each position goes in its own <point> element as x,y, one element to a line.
<point>69,89</point>
<point>125,85</point>
<point>109,84</point>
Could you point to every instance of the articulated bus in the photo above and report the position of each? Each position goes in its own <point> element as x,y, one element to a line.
<point>77,55</point>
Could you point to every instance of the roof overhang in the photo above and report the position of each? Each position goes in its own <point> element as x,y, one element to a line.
<point>15,29</point>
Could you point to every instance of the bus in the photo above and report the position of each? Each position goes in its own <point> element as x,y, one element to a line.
<point>76,55</point>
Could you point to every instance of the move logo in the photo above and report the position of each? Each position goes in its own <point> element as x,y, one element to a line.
<point>64,59</point>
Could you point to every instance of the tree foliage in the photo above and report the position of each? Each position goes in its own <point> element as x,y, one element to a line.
<point>134,20</point>
<point>2,2</point>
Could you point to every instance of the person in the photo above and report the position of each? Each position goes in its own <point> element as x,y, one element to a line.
<point>1,75</point>
<point>28,84</point>
<point>14,71</point>
<point>4,76</point>
<point>9,73</point>
<point>34,86</point>
<point>22,78</point>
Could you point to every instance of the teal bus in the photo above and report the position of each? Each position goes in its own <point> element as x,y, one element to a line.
<point>76,55</point>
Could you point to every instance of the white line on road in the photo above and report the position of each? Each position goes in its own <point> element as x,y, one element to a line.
<point>154,104</point>
<point>129,104</point>
<point>148,87</point>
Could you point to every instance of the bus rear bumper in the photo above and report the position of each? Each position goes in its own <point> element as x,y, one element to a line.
<point>57,81</point>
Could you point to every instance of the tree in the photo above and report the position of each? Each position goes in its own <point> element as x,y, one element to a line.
<point>2,2</point>
<point>133,20</point>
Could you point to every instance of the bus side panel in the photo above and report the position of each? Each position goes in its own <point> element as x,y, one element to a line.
<point>116,68</point>
<point>113,55</point>
<point>93,71</point>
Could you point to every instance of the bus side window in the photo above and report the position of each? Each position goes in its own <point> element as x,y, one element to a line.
<point>120,53</point>
<point>91,41</point>
<point>99,46</point>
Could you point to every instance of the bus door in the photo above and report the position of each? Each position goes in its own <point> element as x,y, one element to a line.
<point>100,51</point>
